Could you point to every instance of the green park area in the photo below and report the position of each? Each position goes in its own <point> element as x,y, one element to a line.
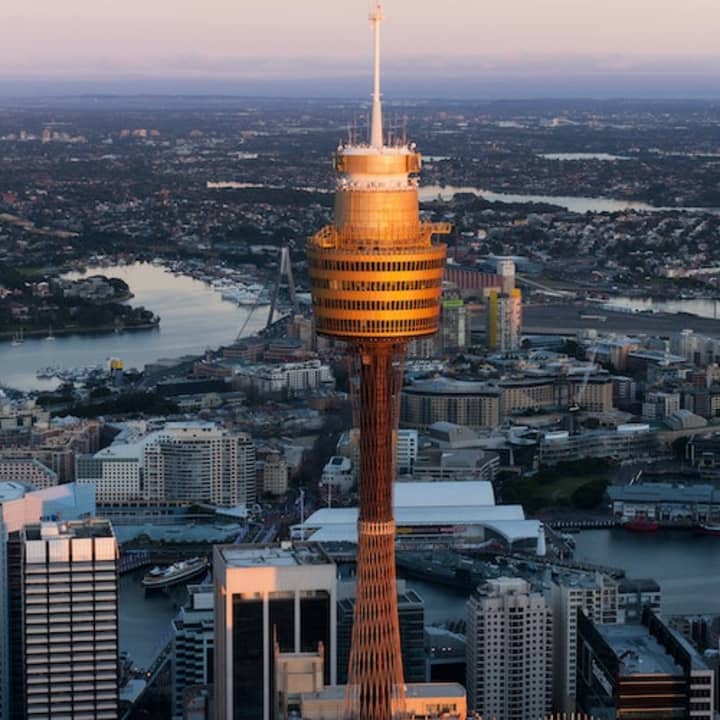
<point>577,485</point>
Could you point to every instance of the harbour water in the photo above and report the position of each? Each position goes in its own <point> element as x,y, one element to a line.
<point>569,156</point>
<point>702,307</point>
<point>572,204</point>
<point>193,316</point>
<point>686,566</point>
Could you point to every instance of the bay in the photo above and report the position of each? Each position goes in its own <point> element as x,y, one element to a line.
<point>428,193</point>
<point>193,317</point>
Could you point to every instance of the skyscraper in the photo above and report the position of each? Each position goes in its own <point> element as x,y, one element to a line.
<point>70,620</point>
<point>376,278</point>
<point>509,651</point>
<point>269,600</point>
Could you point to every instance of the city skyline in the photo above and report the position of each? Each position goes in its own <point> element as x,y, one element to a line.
<point>648,49</point>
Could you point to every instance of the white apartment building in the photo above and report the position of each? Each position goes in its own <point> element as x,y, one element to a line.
<point>115,471</point>
<point>338,475</point>
<point>407,450</point>
<point>407,443</point>
<point>183,462</point>
<point>597,595</point>
<point>509,641</point>
<point>200,462</point>
<point>70,621</point>
<point>27,470</point>
<point>293,378</point>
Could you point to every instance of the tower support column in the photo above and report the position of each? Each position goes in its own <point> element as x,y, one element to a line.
<point>375,688</point>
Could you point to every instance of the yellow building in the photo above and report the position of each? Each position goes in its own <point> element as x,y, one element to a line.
<point>504,320</point>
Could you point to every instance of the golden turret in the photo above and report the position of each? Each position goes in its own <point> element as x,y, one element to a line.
<point>376,272</point>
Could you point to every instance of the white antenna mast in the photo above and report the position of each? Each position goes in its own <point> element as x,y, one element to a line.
<point>376,131</point>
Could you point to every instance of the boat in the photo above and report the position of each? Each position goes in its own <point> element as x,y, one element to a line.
<point>641,524</point>
<point>176,573</point>
<point>50,335</point>
<point>18,338</point>
<point>708,529</point>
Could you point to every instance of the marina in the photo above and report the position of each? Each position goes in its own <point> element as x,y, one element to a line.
<point>193,317</point>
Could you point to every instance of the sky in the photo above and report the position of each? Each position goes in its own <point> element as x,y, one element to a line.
<point>322,47</point>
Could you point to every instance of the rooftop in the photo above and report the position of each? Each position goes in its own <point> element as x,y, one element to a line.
<point>638,651</point>
<point>664,492</point>
<point>90,528</point>
<point>284,555</point>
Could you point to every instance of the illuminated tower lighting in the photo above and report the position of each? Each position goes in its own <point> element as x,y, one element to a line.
<point>376,278</point>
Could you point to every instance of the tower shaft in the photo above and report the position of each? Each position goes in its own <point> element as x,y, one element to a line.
<point>375,674</point>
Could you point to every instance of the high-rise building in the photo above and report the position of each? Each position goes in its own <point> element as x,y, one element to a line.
<point>509,651</point>
<point>376,279</point>
<point>192,646</point>
<point>70,621</point>
<point>199,462</point>
<point>504,321</point>
<point>20,505</point>
<point>597,596</point>
<point>641,670</point>
<point>269,600</point>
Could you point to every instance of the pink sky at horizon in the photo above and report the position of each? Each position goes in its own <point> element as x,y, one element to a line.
<point>149,36</point>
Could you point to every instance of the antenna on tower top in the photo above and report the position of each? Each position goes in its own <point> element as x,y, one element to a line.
<point>376,131</point>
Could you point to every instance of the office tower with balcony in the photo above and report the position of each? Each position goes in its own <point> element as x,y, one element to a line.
<point>509,651</point>
<point>69,621</point>
<point>376,279</point>
<point>273,606</point>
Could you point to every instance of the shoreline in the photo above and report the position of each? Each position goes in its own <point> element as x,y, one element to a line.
<point>97,330</point>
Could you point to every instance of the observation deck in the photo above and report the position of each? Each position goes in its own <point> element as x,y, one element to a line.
<point>376,273</point>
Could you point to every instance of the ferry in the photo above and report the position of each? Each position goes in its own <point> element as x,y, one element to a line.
<point>178,572</point>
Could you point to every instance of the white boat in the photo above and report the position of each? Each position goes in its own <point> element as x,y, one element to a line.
<point>176,573</point>
<point>18,338</point>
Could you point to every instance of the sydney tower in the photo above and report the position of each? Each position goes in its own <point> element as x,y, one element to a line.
<point>376,277</point>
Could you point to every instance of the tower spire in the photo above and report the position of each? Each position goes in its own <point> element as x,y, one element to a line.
<point>376,129</point>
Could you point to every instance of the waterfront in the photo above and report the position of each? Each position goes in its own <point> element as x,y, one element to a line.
<point>145,617</point>
<point>702,307</point>
<point>193,316</point>
<point>573,204</point>
<point>570,156</point>
<point>686,566</point>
